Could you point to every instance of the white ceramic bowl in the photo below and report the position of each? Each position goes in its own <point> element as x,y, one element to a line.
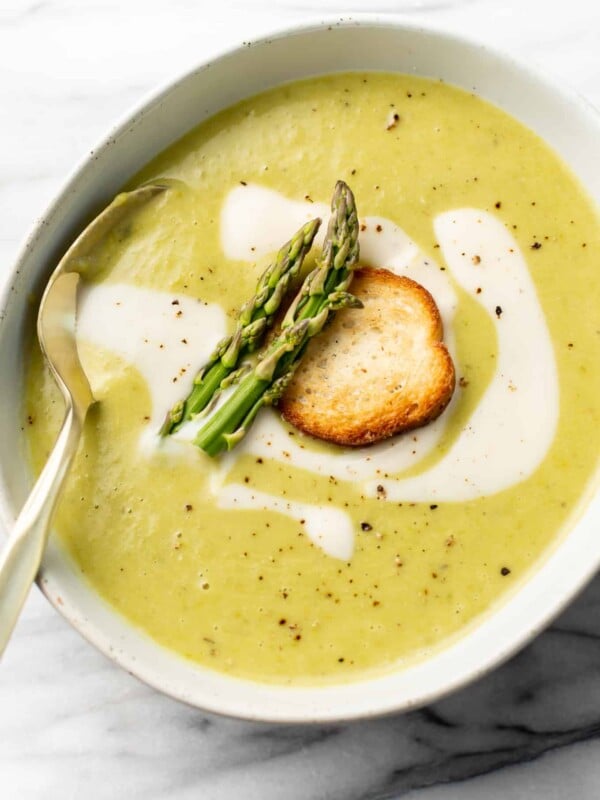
<point>566,123</point>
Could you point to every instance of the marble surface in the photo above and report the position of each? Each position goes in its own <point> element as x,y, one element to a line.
<point>74,726</point>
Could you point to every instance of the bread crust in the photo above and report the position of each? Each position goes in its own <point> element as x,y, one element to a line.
<point>373,372</point>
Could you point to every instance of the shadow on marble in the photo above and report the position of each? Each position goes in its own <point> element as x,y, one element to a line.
<point>546,697</point>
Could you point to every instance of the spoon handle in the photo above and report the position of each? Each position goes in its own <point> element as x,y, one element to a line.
<point>22,555</point>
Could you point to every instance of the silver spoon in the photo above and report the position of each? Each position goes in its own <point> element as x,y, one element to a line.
<point>22,555</point>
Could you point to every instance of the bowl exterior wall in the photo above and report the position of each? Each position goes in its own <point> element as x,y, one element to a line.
<point>563,120</point>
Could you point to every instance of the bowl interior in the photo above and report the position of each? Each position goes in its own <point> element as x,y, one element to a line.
<point>564,121</point>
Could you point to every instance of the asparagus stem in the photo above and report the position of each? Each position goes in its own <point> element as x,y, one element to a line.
<point>323,291</point>
<point>254,318</point>
<point>212,437</point>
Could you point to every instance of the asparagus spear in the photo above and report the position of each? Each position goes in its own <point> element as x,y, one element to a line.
<point>254,318</point>
<point>324,290</point>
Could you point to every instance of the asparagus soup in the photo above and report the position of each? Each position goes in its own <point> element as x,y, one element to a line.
<point>289,559</point>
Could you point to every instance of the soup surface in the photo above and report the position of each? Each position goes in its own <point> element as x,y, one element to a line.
<point>290,560</point>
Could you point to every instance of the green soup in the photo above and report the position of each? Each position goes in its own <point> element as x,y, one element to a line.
<point>245,591</point>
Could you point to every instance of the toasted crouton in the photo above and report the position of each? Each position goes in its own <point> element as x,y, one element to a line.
<point>373,372</point>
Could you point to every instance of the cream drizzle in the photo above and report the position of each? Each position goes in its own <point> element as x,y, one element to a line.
<point>509,433</point>
<point>505,439</point>
<point>327,527</point>
<point>256,221</point>
<point>166,336</point>
<point>513,426</point>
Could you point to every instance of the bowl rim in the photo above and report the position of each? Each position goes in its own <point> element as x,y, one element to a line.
<point>495,655</point>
